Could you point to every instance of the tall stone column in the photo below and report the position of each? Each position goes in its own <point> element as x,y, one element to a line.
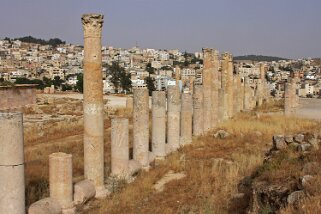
<point>207,87</point>
<point>93,102</point>
<point>60,179</point>
<point>236,89</point>
<point>224,85</point>
<point>173,117</point>
<point>239,92</point>
<point>229,86</point>
<point>247,95</point>
<point>215,88</point>
<point>12,179</point>
<point>159,124</point>
<point>141,126</point>
<point>259,92</point>
<point>119,147</point>
<point>186,119</point>
<point>198,114</point>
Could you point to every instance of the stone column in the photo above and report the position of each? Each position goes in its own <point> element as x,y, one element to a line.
<point>259,92</point>
<point>159,124</point>
<point>198,120</point>
<point>129,104</point>
<point>236,103</point>
<point>247,95</point>
<point>12,180</point>
<point>221,100</point>
<point>119,147</point>
<point>173,117</point>
<point>93,102</point>
<point>224,85</point>
<point>186,119</point>
<point>207,87</point>
<point>141,126</point>
<point>215,88</point>
<point>60,179</point>
<point>229,85</point>
<point>287,99</point>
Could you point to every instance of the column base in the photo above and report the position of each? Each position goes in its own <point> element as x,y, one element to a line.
<point>101,192</point>
<point>71,210</point>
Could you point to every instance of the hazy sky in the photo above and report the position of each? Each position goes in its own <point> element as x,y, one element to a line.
<point>288,28</point>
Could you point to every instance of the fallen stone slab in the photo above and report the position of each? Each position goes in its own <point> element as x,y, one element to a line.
<point>168,177</point>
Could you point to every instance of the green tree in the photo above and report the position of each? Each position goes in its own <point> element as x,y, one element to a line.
<point>150,82</point>
<point>150,69</point>
<point>119,77</point>
<point>80,83</point>
<point>57,82</point>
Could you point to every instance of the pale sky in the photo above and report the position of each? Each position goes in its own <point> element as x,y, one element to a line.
<point>285,28</point>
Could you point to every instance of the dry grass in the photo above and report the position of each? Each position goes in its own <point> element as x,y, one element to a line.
<point>214,169</point>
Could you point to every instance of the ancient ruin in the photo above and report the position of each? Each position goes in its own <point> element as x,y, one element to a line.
<point>141,126</point>
<point>186,119</point>
<point>12,178</point>
<point>159,124</point>
<point>93,102</point>
<point>173,115</point>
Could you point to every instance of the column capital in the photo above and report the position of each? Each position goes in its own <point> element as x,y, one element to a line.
<point>92,24</point>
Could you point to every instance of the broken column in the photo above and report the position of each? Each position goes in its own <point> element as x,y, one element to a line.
<point>12,180</point>
<point>198,120</point>
<point>119,147</point>
<point>60,179</point>
<point>215,88</point>
<point>159,124</point>
<point>186,119</point>
<point>289,99</point>
<point>207,87</point>
<point>173,117</point>
<point>93,102</point>
<point>141,126</point>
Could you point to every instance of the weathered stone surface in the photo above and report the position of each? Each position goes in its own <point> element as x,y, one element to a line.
<point>141,126</point>
<point>60,179</point>
<point>173,117</point>
<point>278,142</point>
<point>295,197</point>
<point>45,206</point>
<point>134,166</point>
<point>168,177</point>
<point>305,147</point>
<point>314,143</point>
<point>186,119</point>
<point>288,139</point>
<point>305,181</point>
<point>159,124</point>
<point>84,191</point>
<point>299,138</point>
<point>93,100</point>
<point>207,87</point>
<point>12,180</point>
<point>198,114</point>
<point>119,147</point>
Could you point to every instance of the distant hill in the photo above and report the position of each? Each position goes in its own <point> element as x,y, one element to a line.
<point>259,58</point>
<point>29,39</point>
